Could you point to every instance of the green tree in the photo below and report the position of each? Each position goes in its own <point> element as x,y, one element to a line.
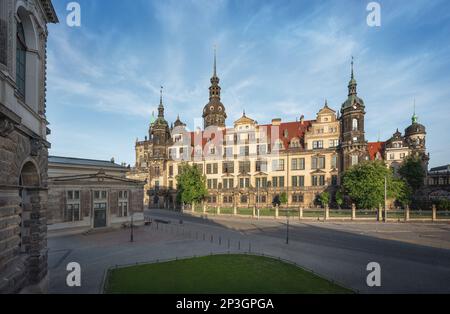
<point>339,198</point>
<point>324,198</point>
<point>283,198</point>
<point>191,185</point>
<point>364,183</point>
<point>412,171</point>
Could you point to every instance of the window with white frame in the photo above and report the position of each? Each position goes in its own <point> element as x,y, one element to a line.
<point>72,210</point>
<point>123,203</point>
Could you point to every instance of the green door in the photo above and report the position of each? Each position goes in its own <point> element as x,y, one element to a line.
<point>99,215</point>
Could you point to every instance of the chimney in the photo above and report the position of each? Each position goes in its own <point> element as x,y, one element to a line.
<point>276,122</point>
<point>302,119</point>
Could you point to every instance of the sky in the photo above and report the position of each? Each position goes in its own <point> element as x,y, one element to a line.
<point>275,59</point>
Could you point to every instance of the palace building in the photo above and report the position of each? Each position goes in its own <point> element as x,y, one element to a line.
<point>251,164</point>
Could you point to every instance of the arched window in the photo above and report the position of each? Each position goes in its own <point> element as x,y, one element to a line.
<point>21,60</point>
<point>3,31</point>
<point>355,124</point>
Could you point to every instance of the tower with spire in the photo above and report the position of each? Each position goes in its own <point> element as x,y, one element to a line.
<point>353,142</point>
<point>160,131</point>
<point>214,112</point>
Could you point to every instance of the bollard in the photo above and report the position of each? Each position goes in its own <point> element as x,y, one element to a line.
<point>380,213</point>
<point>204,208</point>
<point>353,211</point>
<point>218,210</point>
<point>300,213</point>
<point>407,213</point>
<point>433,214</point>
<point>234,210</point>
<point>276,211</point>
<point>193,207</point>
<point>327,212</point>
<point>254,212</point>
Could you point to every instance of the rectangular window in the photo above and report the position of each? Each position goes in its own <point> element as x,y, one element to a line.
<point>262,149</point>
<point>355,159</point>
<point>228,167</point>
<point>244,166</point>
<point>170,171</point>
<point>212,183</point>
<point>244,183</point>
<point>298,164</point>
<point>318,180</point>
<point>244,151</point>
<point>334,180</point>
<point>261,166</point>
<point>318,163</point>
<point>333,143</point>
<point>317,144</point>
<point>228,151</point>
<point>212,168</point>
<point>261,182</point>
<point>297,198</point>
<point>228,183</point>
<point>298,181</point>
<point>278,165</point>
<point>334,161</point>
<point>72,212</point>
<point>278,182</point>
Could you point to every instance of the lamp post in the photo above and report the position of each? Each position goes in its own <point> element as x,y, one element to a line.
<point>131,228</point>
<point>287,227</point>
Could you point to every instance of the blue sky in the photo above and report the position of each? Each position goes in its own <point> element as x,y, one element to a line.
<point>276,58</point>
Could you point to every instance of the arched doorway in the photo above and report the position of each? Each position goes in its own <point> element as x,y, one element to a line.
<point>29,183</point>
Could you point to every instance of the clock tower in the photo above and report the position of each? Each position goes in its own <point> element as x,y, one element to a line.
<point>353,142</point>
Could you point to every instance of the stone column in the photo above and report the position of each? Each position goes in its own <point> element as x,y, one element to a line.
<point>433,214</point>
<point>380,213</point>
<point>276,211</point>
<point>327,212</point>
<point>300,213</point>
<point>353,211</point>
<point>407,213</point>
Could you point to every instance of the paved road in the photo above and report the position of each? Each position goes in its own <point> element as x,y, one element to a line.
<point>419,263</point>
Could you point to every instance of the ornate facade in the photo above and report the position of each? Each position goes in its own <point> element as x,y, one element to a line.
<point>23,144</point>
<point>251,164</point>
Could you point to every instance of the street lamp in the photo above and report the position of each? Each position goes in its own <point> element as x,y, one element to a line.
<point>131,228</point>
<point>287,227</point>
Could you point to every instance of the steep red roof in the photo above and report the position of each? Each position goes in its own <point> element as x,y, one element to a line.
<point>295,129</point>
<point>374,148</point>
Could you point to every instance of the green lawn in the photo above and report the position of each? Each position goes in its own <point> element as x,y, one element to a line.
<point>219,274</point>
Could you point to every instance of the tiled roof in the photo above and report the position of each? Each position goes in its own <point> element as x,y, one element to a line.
<point>374,148</point>
<point>83,162</point>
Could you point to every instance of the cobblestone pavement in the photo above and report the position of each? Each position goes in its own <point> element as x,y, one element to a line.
<point>413,258</point>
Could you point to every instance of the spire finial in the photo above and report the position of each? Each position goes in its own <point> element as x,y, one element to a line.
<point>414,117</point>
<point>352,68</point>
<point>215,61</point>
<point>161,95</point>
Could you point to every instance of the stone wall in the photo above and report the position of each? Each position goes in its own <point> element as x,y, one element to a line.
<point>23,240</point>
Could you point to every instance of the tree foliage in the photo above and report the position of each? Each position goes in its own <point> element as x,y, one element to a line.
<point>412,171</point>
<point>191,185</point>
<point>283,198</point>
<point>364,183</point>
<point>324,198</point>
<point>339,197</point>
